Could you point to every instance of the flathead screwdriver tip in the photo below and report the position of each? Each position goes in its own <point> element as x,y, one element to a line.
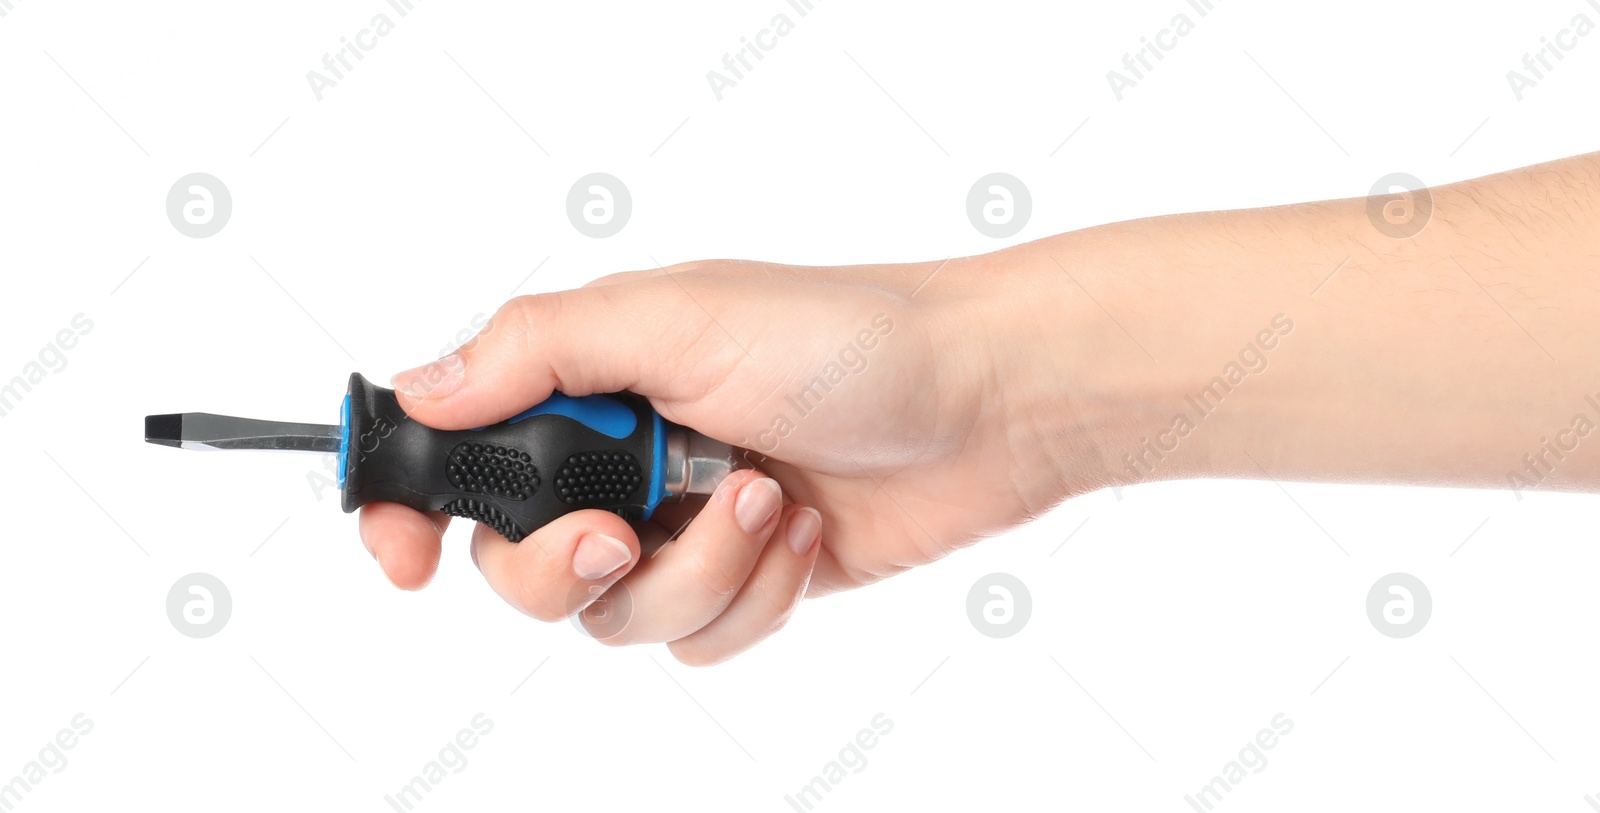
<point>165,430</point>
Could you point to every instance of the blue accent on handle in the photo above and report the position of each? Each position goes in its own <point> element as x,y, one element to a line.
<point>603,414</point>
<point>658,467</point>
<point>344,438</point>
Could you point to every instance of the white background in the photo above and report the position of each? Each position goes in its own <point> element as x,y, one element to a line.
<point>1174,624</point>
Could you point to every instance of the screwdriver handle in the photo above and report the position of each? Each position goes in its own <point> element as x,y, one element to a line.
<point>566,454</point>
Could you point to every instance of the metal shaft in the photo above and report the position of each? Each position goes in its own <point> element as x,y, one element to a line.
<point>203,430</point>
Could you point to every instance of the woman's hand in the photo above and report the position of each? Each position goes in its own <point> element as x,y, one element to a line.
<point>916,408</point>
<point>874,412</point>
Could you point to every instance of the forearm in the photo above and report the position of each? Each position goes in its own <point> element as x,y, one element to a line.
<point>1302,343</point>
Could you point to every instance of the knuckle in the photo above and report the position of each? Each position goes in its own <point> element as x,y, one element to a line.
<point>718,577</point>
<point>612,279</point>
<point>781,621</point>
<point>613,640</point>
<point>530,597</point>
<point>694,652</point>
<point>710,267</point>
<point>609,618</point>
<point>525,317</point>
<point>778,601</point>
<point>608,633</point>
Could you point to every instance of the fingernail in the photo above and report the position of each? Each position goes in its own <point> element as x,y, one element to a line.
<point>756,503</point>
<point>598,556</point>
<point>436,379</point>
<point>803,529</point>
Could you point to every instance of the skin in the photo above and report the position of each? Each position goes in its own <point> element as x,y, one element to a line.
<point>1457,353</point>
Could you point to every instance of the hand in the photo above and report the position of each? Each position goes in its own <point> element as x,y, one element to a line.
<point>908,410</point>
<point>876,423</point>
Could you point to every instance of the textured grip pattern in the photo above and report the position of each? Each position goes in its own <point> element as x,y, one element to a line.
<point>479,511</point>
<point>484,468</point>
<point>592,477</point>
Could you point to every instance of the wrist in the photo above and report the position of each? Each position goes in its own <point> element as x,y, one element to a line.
<point>1065,392</point>
<point>1144,351</point>
<point>1080,380</point>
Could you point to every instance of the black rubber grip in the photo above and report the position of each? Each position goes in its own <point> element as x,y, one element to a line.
<point>515,476</point>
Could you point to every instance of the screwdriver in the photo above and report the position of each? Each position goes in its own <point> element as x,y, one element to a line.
<point>613,452</point>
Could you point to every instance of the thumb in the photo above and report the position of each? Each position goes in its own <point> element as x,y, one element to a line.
<point>628,336</point>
